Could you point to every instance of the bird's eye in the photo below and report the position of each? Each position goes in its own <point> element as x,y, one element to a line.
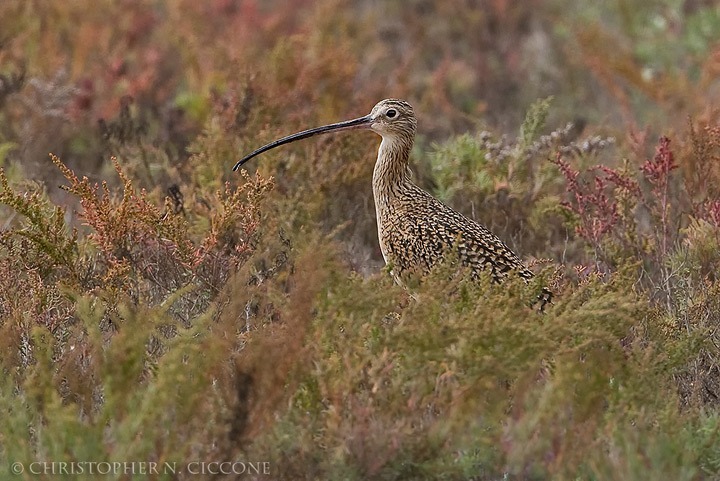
<point>391,113</point>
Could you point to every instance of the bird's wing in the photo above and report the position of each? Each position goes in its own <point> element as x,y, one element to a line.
<point>428,229</point>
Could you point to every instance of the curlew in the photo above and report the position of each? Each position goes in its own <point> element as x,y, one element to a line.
<point>415,229</point>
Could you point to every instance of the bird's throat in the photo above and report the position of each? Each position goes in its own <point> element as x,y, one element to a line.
<point>391,176</point>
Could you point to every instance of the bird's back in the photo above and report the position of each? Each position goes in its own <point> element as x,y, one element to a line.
<point>417,231</point>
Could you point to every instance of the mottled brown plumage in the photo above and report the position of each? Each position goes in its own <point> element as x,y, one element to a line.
<point>416,230</point>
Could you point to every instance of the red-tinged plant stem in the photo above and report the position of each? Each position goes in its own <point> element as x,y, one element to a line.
<point>657,172</point>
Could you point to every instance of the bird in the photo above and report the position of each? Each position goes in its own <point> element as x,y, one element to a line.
<point>416,231</point>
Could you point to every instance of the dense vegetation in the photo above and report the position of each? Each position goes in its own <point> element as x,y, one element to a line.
<point>157,307</point>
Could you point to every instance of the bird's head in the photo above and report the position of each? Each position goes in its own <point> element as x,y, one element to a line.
<point>393,118</point>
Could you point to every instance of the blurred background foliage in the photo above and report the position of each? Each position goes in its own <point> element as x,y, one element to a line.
<point>156,306</point>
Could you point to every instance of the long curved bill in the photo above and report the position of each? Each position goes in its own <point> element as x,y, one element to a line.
<point>359,123</point>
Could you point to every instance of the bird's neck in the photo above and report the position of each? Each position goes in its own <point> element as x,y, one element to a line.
<point>391,176</point>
